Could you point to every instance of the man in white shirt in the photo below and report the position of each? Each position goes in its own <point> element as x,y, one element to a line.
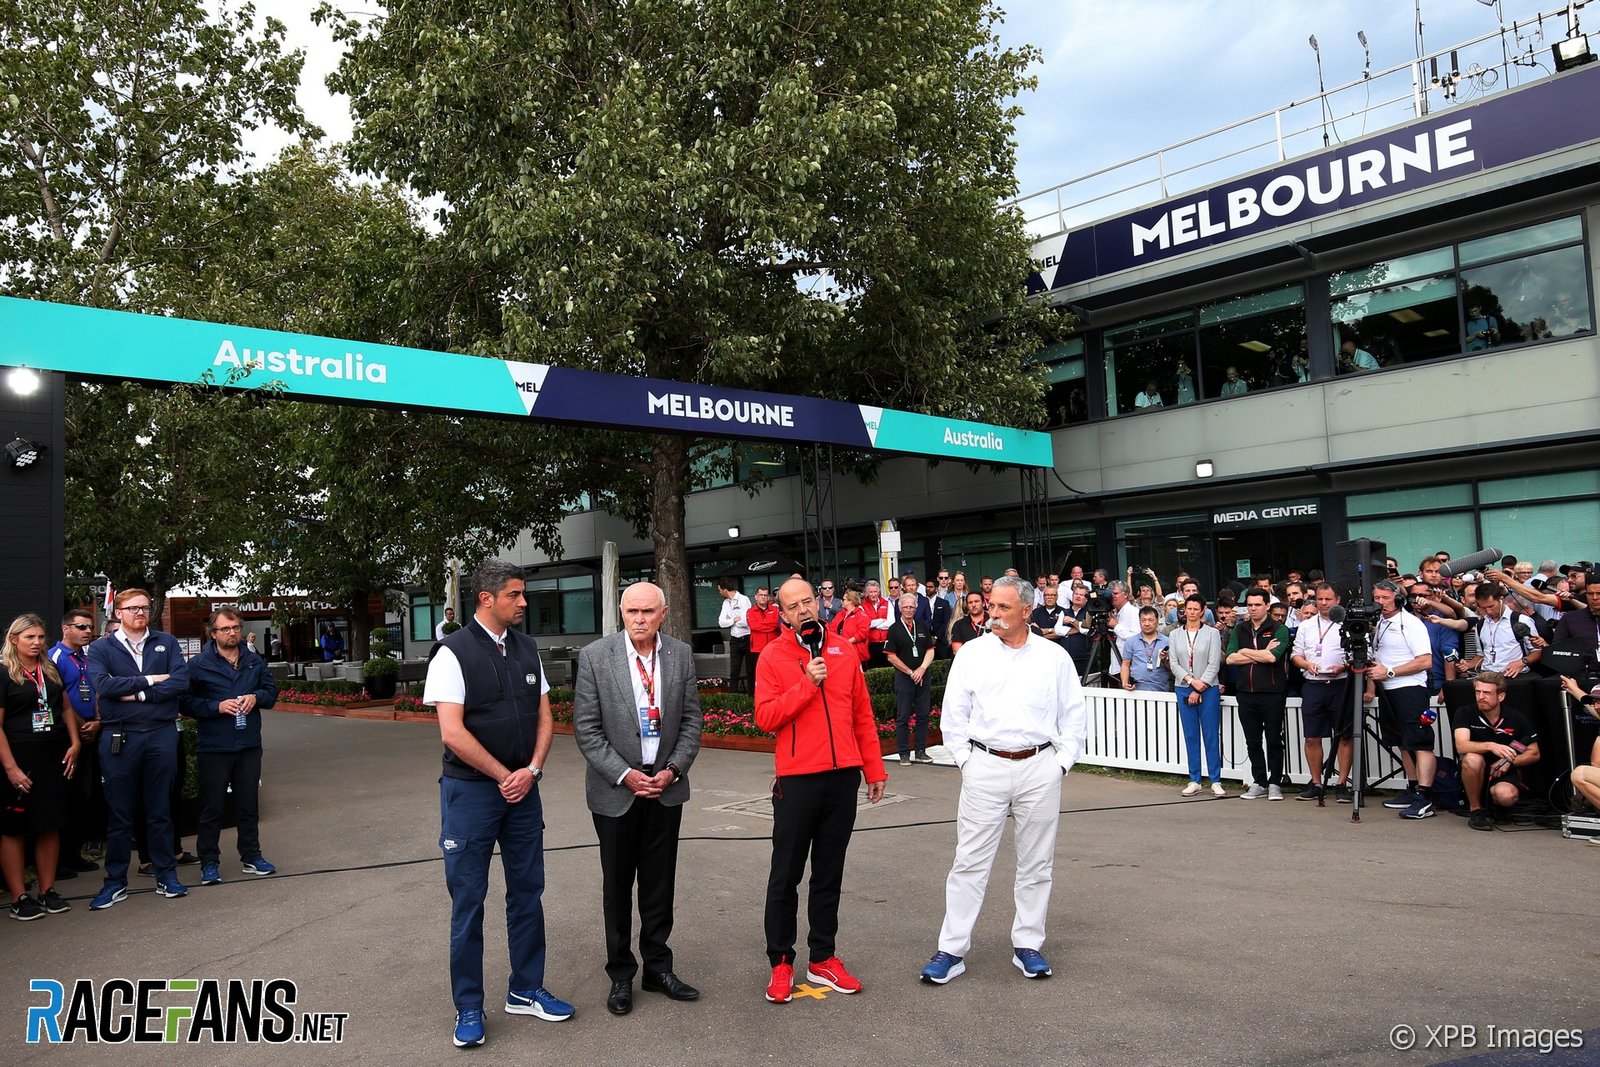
<point>439,630</point>
<point>1398,676</point>
<point>1325,696</point>
<point>1015,722</point>
<point>1124,620</point>
<point>735,618</point>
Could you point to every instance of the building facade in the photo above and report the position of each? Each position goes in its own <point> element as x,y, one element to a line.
<point>1392,337</point>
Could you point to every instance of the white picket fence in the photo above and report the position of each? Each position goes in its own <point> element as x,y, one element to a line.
<point>1141,732</point>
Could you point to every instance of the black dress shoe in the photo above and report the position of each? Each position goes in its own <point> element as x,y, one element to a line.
<point>670,984</point>
<point>620,1002</point>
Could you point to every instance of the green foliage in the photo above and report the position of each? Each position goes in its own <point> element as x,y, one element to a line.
<point>811,205</point>
<point>561,695</point>
<point>380,667</point>
<point>743,703</point>
<point>339,686</point>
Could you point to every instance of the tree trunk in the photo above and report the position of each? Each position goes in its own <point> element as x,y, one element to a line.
<point>670,474</point>
<point>360,627</point>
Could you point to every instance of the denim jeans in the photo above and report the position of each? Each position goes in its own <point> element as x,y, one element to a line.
<point>473,816</point>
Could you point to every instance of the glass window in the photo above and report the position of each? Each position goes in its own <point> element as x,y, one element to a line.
<point>1401,324</point>
<point>1528,299</point>
<point>1561,531</point>
<point>1249,355</point>
<point>1167,545</point>
<point>1540,487</point>
<point>1410,537</point>
<point>562,606</point>
<point>1390,501</point>
<point>1528,239</point>
<point>1144,328</point>
<point>425,615</point>
<point>1390,271</point>
<point>1150,374</point>
<point>1066,398</point>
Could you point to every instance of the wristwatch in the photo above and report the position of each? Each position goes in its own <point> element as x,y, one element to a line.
<point>538,772</point>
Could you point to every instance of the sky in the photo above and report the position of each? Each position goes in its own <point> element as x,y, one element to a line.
<point>1118,79</point>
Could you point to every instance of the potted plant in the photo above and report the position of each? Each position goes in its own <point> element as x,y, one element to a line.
<point>380,672</point>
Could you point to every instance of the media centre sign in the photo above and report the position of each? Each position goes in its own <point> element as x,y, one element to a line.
<point>1276,514</point>
<point>93,342</point>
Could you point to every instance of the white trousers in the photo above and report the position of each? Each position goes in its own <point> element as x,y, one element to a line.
<point>992,788</point>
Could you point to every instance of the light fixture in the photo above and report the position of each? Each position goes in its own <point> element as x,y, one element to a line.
<point>1204,468</point>
<point>22,452</point>
<point>733,531</point>
<point>1572,52</point>
<point>24,381</point>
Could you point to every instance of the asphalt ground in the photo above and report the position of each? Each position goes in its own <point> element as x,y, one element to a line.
<point>1181,932</point>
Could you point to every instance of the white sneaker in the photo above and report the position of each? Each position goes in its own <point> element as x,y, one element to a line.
<point>1191,790</point>
<point>1255,792</point>
<point>1274,793</point>
<point>1217,790</point>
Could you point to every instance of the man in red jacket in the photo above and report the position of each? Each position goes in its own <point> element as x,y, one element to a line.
<point>815,700</point>
<point>763,621</point>
<point>880,616</point>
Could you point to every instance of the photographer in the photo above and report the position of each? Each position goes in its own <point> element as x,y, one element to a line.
<point>1493,749</point>
<point>1398,677</point>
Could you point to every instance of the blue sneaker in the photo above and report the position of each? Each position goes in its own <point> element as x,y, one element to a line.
<point>942,968</point>
<point>541,1003</point>
<point>171,887</point>
<point>1421,808</point>
<point>1031,963</point>
<point>259,865</point>
<point>210,873</point>
<point>469,1028</point>
<point>1401,800</point>
<point>109,894</point>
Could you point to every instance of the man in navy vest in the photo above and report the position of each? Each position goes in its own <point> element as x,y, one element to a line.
<point>487,683</point>
<point>138,674</point>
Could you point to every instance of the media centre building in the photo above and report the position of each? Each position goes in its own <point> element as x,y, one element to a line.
<point>1392,337</point>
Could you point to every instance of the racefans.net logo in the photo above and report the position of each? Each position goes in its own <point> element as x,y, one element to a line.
<point>177,1010</point>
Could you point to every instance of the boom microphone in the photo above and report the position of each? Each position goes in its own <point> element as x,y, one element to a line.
<point>810,633</point>
<point>1475,561</point>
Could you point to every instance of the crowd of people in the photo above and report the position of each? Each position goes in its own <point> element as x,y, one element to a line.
<point>91,750</point>
<point>1470,642</point>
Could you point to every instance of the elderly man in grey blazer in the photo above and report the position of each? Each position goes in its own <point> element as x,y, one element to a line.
<point>636,717</point>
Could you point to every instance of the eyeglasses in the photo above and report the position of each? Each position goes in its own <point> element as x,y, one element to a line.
<point>827,589</point>
<point>80,626</point>
<point>944,577</point>
<point>227,629</point>
<point>135,609</point>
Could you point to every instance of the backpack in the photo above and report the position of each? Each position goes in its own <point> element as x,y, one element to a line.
<point>1448,794</point>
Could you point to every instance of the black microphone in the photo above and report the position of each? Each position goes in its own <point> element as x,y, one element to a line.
<point>811,634</point>
<point>1472,562</point>
<point>1336,613</point>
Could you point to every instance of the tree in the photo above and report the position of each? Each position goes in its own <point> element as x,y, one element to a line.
<point>761,193</point>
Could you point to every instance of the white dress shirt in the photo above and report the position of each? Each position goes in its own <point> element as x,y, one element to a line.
<point>651,664</point>
<point>447,685</point>
<point>1014,698</point>
<point>1319,643</point>
<point>735,615</point>
<point>1397,640</point>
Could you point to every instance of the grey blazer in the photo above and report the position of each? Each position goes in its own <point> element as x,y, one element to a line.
<point>605,720</point>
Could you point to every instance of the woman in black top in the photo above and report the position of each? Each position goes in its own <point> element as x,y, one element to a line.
<point>39,751</point>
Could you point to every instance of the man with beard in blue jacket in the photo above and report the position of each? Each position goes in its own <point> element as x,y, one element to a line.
<point>229,685</point>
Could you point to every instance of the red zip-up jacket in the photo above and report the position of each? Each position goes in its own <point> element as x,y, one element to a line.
<point>881,610</point>
<point>822,728</point>
<point>763,627</point>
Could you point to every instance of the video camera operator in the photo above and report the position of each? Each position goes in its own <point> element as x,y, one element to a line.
<point>1398,677</point>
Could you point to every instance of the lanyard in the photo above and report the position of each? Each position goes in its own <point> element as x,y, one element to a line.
<point>1190,639</point>
<point>912,634</point>
<point>38,683</point>
<point>1322,635</point>
<point>649,680</point>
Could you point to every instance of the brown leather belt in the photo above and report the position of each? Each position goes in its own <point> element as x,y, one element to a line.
<point>1026,753</point>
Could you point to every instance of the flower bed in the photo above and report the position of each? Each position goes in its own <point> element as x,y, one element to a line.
<point>325,698</point>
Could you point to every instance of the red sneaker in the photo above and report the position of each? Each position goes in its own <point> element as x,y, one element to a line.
<point>831,973</point>
<point>781,989</point>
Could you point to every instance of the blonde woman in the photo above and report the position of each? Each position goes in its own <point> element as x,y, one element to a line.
<point>39,752</point>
